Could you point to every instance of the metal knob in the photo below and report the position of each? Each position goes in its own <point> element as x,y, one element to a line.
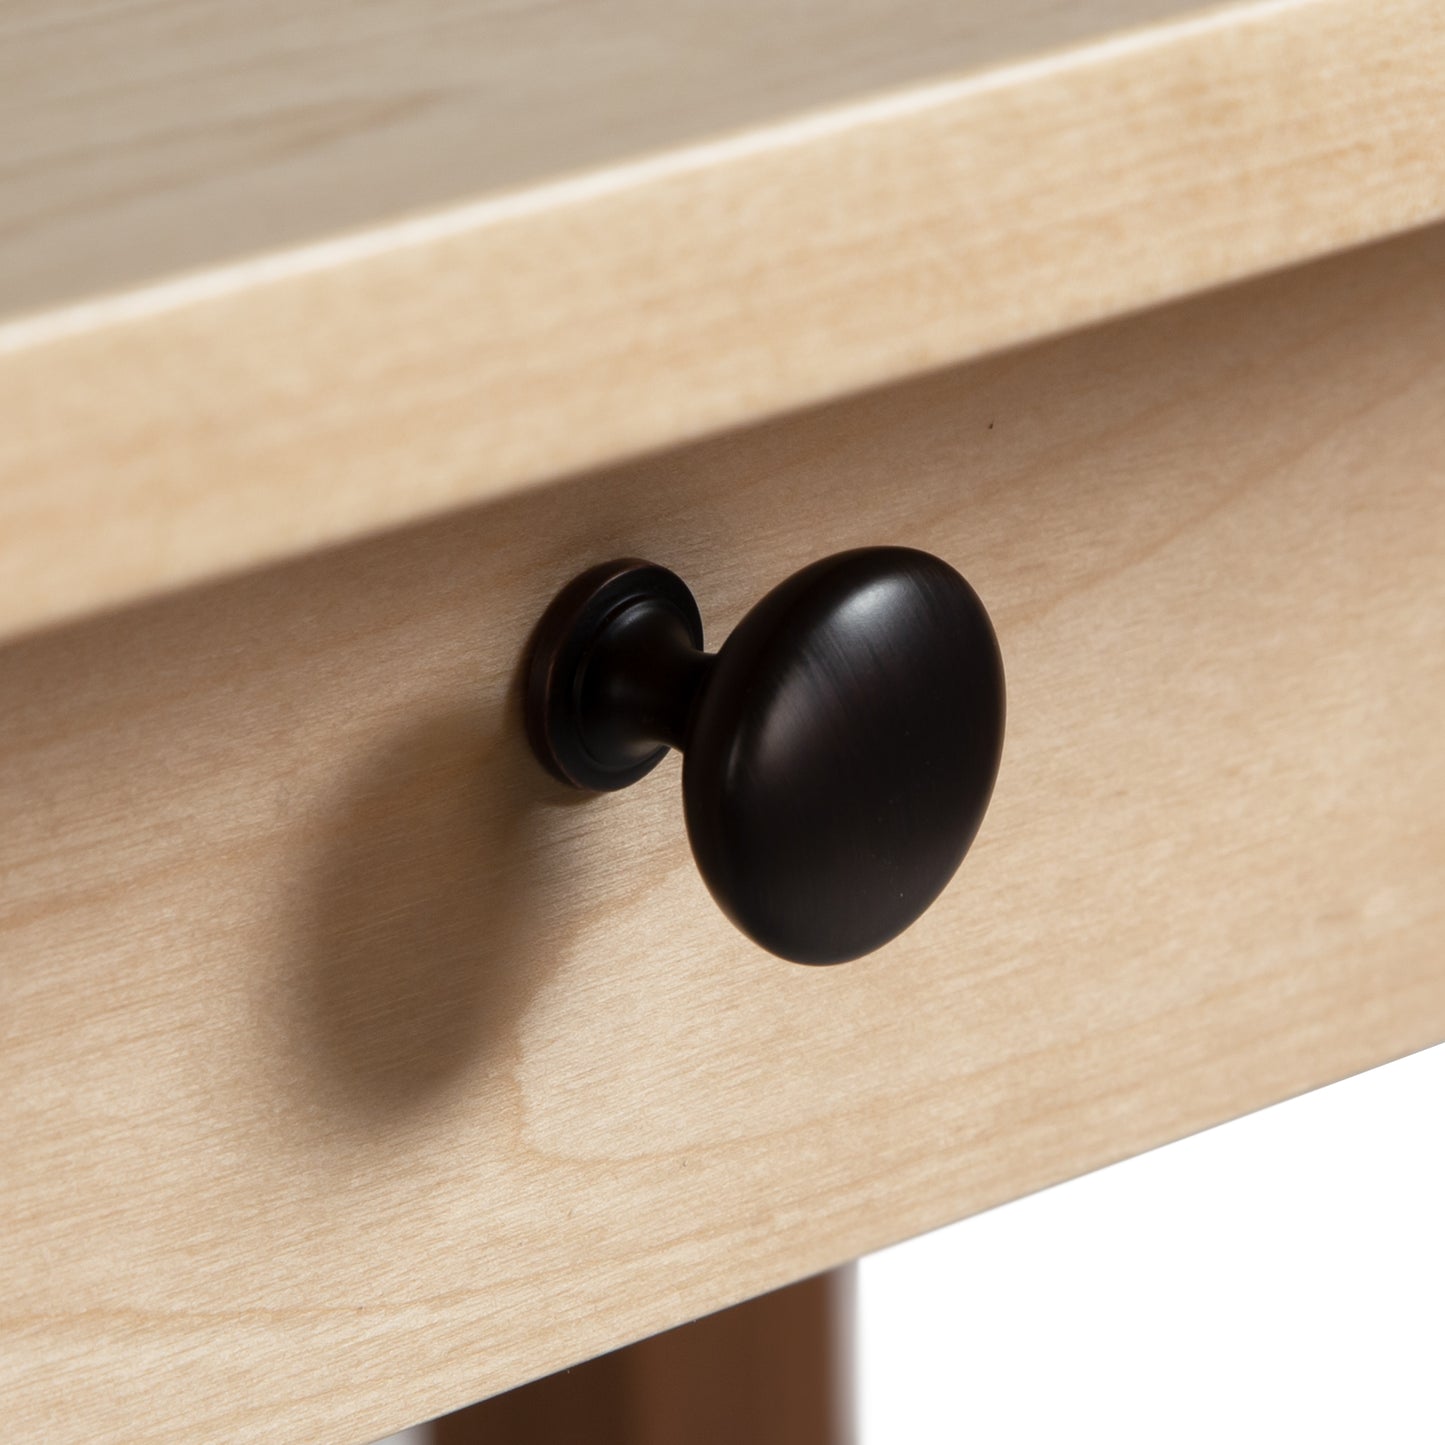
<point>839,750</point>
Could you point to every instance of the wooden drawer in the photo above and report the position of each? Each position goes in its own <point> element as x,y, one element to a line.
<point>352,1071</point>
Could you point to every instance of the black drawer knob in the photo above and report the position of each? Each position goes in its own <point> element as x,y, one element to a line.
<point>839,750</point>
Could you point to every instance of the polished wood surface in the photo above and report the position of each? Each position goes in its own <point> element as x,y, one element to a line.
<point>776,1370</point>
<point>258,409</point>
<point>351,1071</point>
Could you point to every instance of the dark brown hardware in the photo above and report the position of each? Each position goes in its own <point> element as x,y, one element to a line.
<point>839,750</point>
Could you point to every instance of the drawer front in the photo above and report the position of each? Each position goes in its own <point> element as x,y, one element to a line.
<point>351,1070</point>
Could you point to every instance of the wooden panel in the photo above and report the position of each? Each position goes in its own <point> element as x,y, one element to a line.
<point>351,1072</point>
<point>218,421</point>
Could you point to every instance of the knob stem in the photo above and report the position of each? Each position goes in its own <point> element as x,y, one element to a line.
<point>639,685</point>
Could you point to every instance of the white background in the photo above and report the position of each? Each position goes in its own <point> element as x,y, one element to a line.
<point>1278,1279</point>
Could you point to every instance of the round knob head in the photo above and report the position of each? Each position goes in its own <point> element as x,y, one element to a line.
<point>842,752</point>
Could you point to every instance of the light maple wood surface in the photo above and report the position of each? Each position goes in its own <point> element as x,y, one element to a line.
<point>144,138</point>
<point>996,174</point>
<point>350,1071</point>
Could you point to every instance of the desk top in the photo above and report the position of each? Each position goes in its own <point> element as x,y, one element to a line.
<point>274,280</point>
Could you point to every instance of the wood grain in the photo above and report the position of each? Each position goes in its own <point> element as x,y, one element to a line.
<point>216,422</point>
<point>350,1072</point>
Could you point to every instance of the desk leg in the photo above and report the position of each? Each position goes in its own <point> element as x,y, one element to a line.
<point>774,1371</point>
